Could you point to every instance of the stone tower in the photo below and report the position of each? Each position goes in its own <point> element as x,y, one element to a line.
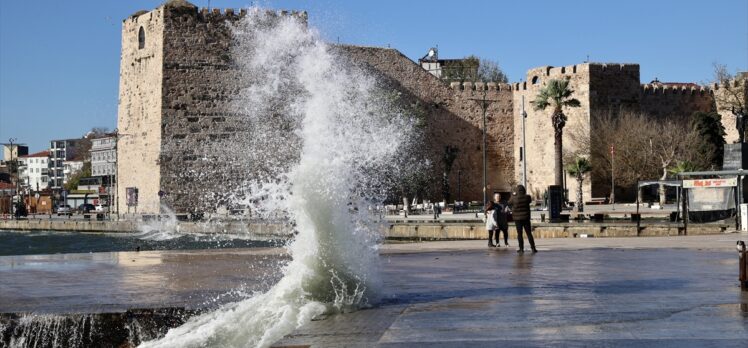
<point>172,102</point>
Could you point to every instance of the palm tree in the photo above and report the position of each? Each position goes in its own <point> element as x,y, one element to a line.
<point>558,95</point>
<point>682,166</point>
<point>578,169</point>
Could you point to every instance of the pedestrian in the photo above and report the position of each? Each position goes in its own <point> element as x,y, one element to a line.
<point>500,212</point>
<point>520,205</point>
<point>490,222</point>
<point>437,210</point>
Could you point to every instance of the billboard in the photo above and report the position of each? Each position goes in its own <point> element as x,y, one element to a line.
<point>698,183</point>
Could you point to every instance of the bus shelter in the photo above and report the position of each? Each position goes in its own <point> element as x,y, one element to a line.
<point>712,195</point>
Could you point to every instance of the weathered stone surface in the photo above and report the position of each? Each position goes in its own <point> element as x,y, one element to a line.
<point>176,112</point>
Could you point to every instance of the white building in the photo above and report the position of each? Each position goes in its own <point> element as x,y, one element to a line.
<point>61,152</point>
<point>70,168</point>
<point>33,171</point>
<point>104,156</point>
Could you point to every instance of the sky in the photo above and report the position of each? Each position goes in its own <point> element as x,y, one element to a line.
<point>59,60</point>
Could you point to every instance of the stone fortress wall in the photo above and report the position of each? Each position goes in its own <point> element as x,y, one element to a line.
<point>139,117</point>
<point>727,96</point>
<point>175,97</point>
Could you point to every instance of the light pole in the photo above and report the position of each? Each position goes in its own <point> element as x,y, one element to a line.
<point>524,146</point>
<point>612,175</point>
<point>117,135</point>
<point>484,103</point>
<point>12,170</point>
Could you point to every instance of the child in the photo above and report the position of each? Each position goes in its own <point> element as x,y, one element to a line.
<point>490,222</point>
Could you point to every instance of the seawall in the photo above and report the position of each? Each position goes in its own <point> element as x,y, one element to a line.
<point>420,230</point>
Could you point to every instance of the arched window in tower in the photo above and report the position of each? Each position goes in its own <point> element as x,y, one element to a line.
<point>535,80</point>
<point>141,38</point>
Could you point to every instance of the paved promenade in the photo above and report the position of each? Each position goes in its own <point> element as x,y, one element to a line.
<point>630,292</point>
<point>655,291</point>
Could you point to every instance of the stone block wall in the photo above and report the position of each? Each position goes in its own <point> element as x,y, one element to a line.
<point>676,103</point>
<point>539,133</point>
<point>453,119</point>
<point>198,113</point>
<point>725,99</point>
<point>139,112</point>
<point>177,114</point>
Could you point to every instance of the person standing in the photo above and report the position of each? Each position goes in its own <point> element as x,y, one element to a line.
<point>520,205</point>
<point>502,221</point>
<point>490,222</point>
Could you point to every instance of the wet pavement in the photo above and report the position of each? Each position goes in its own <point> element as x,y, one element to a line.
<point>118,281</point>
<point>667,293</point>
<point>674,291</point>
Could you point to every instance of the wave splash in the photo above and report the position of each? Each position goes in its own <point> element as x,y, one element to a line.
<point>324,133</point>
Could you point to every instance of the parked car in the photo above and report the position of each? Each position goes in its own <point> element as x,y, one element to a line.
<point>102,208</point>
<point>86,208</point>
<point>64,209</point>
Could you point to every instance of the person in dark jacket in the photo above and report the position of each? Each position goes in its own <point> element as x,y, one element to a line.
<point>520,205</point>
<point>502,221</point>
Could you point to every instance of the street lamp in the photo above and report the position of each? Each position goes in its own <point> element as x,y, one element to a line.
<point>523,154</point>
<point>117,136</point>
<point>13,183</point>
<point>484,103</point>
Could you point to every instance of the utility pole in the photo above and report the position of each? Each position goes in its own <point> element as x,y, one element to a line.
<point>13,206</point>
<point>484,103</point>
<point>524,146</point>
<point>612,174</point>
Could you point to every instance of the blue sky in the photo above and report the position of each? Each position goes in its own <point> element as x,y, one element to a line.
<point>59,60</point>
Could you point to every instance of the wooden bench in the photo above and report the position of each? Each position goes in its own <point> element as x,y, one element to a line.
<point>598,201</point>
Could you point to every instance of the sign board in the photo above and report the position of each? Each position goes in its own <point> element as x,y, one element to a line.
<point>707,183</point>
<point>734,156</point>
<point>132,196</point>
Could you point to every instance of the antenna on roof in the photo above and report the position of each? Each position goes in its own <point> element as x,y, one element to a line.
<point>588,59</point>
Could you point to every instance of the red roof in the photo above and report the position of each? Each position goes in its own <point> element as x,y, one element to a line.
<point>44,153</point>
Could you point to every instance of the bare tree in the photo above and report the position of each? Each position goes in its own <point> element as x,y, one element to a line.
<point>645,147</point>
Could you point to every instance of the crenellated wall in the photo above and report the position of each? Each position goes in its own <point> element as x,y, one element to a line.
<point>454,119</point>
<point>176,111</point>
<point>675,102</point>
<point>539,134</point>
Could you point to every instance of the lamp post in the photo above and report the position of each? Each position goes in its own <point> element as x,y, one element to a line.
<point>13,183</point>
<point>524,146</point>
<point>613,175</point>
<point>484,103</point>
<point>117,136</point>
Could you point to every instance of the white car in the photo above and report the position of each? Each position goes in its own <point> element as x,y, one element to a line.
<point>102,208</point>
<point>64,209</point>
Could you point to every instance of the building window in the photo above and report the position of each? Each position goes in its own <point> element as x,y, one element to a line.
<point>141,38</point>
<point>535,80</point>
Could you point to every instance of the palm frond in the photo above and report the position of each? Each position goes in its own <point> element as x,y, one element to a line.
<point>556,92</point>
<point>572,103</point>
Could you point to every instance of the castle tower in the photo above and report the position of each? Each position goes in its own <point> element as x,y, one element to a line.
<point>173,107</point>
<point>598,87</point>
